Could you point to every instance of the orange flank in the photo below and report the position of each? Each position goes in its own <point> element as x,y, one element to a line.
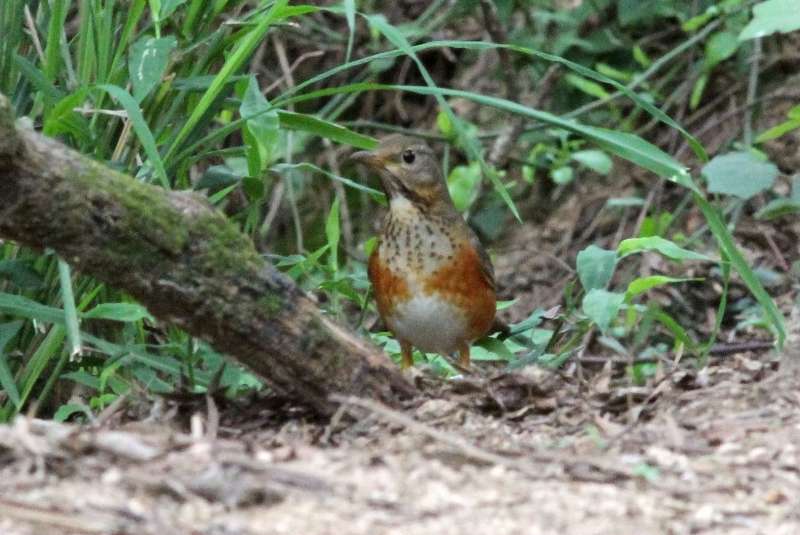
<point>464,283</point>
<point>389,288</point>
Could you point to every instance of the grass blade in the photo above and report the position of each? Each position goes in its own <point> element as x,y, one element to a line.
<point>70,312</point>
<point>142,130</point>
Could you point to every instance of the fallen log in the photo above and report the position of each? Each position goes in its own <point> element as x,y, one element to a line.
<point>188,264</point>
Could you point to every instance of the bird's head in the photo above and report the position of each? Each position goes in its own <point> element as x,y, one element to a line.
<point>408,171</point>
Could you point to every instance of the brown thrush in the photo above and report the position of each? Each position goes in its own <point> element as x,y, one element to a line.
<point>433,281</point>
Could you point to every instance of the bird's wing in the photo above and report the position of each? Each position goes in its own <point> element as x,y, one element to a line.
<point>485,262</point>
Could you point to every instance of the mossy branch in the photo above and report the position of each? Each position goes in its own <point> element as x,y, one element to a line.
<point>187,263</point>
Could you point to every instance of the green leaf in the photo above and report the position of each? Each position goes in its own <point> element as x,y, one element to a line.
<point>589,87</point>
<point>140,127</point>
<point>350,16</point>
<point>719,47</point>
<point>740,174</point>
<point>642,284</point>
<point>772,16</point>
<point>125,312</point>
<point>70,311</point>
<point>168,7</point>
<point>631,12</point>
<point>68,409</point>
<point>7,332</point>
<point>596,160</point>
<point>778,208</point>
<point>602,306</point>
<point>17,305</point>
<point>61,119</point>
<point>778,130</point>
<point>20,274</point>
<point>562,175</point>
<point>463,184</point>
<point>662,245</point>
<point>729,249</point>
<point>595,267</point>
<point>697,91</point>
<point>244,48</point>
<point>148,60</point>
<point>263,126</point>
<point>326,129</point>
<point>495,347</point>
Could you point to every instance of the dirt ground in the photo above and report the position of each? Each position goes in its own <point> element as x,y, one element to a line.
<point>715,451</point>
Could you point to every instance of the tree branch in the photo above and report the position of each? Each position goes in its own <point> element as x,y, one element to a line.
<point>188,264</point>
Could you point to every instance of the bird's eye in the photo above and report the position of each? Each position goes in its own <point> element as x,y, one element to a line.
<point>408,156</point>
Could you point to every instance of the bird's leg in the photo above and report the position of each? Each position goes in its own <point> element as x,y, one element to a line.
<point>408,359</point>
<point>463,355</point>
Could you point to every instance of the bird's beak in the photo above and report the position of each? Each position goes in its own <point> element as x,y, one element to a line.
<point>368,158</point>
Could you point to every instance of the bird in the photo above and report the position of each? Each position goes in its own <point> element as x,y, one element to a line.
<point>433,282</point>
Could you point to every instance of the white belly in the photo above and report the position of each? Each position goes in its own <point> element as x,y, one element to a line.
<point>430,324</point>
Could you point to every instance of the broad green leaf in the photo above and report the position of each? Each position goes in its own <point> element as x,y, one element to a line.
<point>596,160</point>
<point>602,306</point>
<point>642,284</point>
<point>662,245</point>
<point>719,47</point>
<point>595,267</point>
<point>140,127</point>
<point>562,175</point>
<point>772,16</point>
<point>495,349</point>
<point>148,60</point>
<point>463,184</point>
<point>263,127</point>
<point>740,174</point>
<point>125,312</point>
<point>326,129</point>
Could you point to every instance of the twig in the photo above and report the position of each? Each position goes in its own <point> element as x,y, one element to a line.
<point>65,522</point>
<point>776,251</point>
<point>752,89</point>
<point>568,462</point>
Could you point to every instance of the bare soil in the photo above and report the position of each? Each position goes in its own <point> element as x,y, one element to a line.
<point>714,451</point>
